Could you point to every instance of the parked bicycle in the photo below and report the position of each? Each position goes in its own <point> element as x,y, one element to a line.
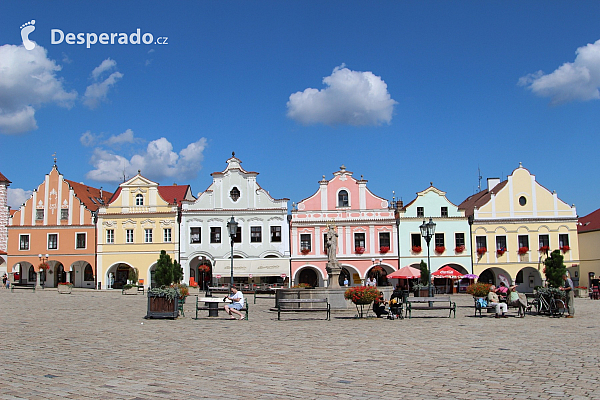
<point>549,303</point>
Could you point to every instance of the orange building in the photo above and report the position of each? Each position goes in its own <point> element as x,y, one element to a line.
<point>55,228</point>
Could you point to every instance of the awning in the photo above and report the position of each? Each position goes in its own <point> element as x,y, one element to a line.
<point>405,273</point>
<point>447,272</point>
<point>252,266</point>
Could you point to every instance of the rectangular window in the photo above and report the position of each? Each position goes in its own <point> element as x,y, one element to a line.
<point>39,215</point>
<point>439,240</point>
<point>23,242</point>
<point>194,235</point>
<point>523,241</point>
<point>415,239</point>
<point>275,234</point>
<point>110,236</point>
<point>255,234</point>
<point>481,242</point>
<point>359,241</point>
<point>420,211</point>
<point>544,241</point>
<point>80,241</point>
<point>52,241</point>
<point>64,214</point>
<point>167,237</point>
<point>305,242</point>
<point>444,211</point>
<point>215,234</point>
<point>148,235</point>
<point>459,239</point>
<point>238,235</point>
<point>384,240</point>
<point>563,240</point>
<point>500,243</point>
<point>129,236</point>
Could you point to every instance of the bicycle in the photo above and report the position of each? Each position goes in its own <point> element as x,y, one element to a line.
<point>549,306</point>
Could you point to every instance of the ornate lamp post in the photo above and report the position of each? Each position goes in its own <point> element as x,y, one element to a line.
<point>232,226</point>
<point>43,260</point>
<point>427,231</point>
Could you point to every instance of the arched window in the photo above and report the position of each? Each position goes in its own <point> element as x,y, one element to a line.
<point>139,200</point>
<point>88,273</point>
<point>343,199</point>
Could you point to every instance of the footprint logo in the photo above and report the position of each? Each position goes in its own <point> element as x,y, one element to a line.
<point>26,29</point>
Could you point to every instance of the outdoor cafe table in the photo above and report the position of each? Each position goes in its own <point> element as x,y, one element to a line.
<point>213,304</point>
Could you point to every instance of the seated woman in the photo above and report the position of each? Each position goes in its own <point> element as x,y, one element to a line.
<point>516,299</point>
<point>379,305</point>
<point>502,291</point>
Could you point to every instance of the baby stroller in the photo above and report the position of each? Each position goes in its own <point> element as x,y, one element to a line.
<point>396,306</point>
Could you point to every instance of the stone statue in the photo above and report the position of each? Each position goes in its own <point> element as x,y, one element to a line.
<point>333,267</point>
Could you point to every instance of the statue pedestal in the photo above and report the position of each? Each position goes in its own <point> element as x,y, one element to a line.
<point>333,272</point>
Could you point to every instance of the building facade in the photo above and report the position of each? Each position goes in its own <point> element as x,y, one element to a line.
<point>4,215</point>
<point>451,244</point>
<point>588,233</point>
<point>261,244</point>
<point>139,221</point>
<point>365,225</point>
<point>516,223</point>
<point>56,226</point>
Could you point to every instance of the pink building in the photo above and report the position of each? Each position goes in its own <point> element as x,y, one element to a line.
<point>366,228</point>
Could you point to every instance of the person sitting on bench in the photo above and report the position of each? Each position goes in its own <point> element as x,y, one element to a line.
<point>494,301</point>
<point>379,305</point>
<point>237,303</point>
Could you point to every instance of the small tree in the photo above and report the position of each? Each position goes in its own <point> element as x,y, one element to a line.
<point>133,275</point>
<point>424,273</point>
<point>555,269</point>
<point>177,272</point>
<point>164,270</point>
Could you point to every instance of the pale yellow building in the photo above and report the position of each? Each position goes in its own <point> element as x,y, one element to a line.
<point>140,220</point>
<point>589,248</point>
<point>515,224</point>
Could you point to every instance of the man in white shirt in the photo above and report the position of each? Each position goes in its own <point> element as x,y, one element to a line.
<point>237,303</point>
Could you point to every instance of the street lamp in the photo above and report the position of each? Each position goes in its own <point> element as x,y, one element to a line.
<point>232,226</point>
<point>43,260</point>
<point>427,231</point>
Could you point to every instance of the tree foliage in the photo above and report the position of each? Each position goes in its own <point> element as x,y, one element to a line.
<point>177,272</point>
<point>424,273</point>
<point>555,269</point>
<point>164,270</point>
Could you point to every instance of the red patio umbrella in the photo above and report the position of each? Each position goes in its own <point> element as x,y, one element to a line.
<point>447,272</point>
<point>405,273</point>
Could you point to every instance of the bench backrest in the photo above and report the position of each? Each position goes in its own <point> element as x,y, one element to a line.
<point>303,300</point>
<point>427,299</point>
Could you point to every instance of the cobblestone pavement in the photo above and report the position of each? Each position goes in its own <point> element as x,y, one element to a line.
<point>96,344</point>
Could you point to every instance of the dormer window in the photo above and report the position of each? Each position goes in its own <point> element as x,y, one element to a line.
<point>234,194</point>
<point>139,200</point>
<point>343,199</point>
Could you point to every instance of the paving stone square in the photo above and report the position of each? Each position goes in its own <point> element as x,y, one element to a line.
<point>97,345</point>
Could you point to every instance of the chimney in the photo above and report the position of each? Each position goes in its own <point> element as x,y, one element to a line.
<point>492,182</point>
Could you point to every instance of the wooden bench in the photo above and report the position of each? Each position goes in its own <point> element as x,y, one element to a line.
<point>14,286</point>
<point>270,292</point>
<point>218,304</point>
<point>489,308</point>
<point>299,308</point>
<point>451,306</point>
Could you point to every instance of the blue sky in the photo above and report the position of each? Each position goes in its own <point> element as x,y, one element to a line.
<point>403,93</point>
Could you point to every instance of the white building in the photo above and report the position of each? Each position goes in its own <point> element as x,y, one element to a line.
<point>261,246</point>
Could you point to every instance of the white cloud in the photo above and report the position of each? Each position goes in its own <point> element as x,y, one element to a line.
<point>97,92</point>
<point>88,139</point>
<point>125,137</point>
<point>104,66</point>
<point>574,81</point>
<point>351,97</point>
<point>157,162</point>
<point>16,197</point>
<point>27,81</point>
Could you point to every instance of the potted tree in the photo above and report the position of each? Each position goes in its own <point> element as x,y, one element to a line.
<point>163,301</point>
<point>132,285</point>
<point>422,288</point>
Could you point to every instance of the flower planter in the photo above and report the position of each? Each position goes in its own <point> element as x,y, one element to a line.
<point>133,290</point>
<point>162,307</point>
<point>65,289</point>
<point>194,289</point>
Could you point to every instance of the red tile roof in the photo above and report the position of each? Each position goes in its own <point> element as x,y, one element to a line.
<point>479,199</point>
<point>3,178</point>
<point>179,192</point>
<point>590,222</point>
<point>89,196</point>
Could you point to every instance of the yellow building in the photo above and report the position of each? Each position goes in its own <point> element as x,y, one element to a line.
<point>139,221</point>
<point>515,225</point>
<point>589,247</point>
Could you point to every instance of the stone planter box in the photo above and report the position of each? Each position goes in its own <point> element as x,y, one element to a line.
<point>133,290</point>
<point>194,290</point>
<point>161,307</point>
<point>583,293</point>
<point>64,289</point>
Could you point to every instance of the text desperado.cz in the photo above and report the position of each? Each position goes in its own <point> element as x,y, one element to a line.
<point>57,36</point>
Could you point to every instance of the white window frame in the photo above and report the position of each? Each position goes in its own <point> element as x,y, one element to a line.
<point>48,241</point>
<point>139,197</point>
<point>167,235</point>
<point>127,231</point>
<point>147,235</point>
<point>110,236</point>
<point>28,242</point>
<point>85,238</point>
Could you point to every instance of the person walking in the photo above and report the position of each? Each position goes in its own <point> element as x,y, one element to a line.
<point>570,293</point>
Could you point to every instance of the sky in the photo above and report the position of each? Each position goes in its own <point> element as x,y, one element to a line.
<point>402,93</point>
